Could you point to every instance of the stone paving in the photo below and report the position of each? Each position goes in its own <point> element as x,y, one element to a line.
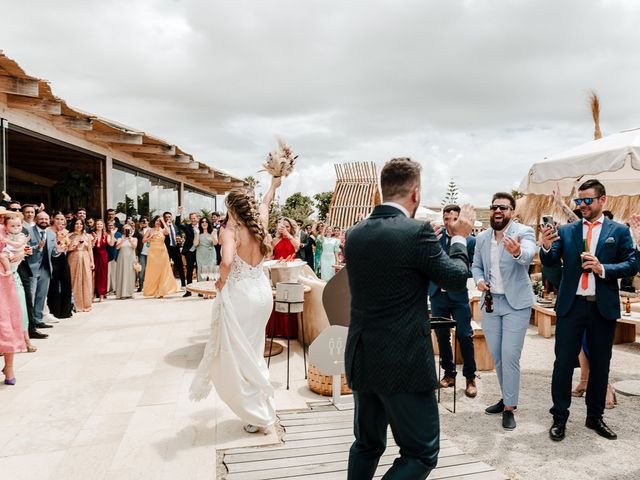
<point>106,396</point>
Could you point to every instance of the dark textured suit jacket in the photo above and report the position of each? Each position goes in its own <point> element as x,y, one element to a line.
<point>389,346</point>
<point>615,253</point>
<point>457,296</point>
<point>189,234</point>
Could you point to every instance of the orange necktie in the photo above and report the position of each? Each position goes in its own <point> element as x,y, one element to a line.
<point>585,275</point>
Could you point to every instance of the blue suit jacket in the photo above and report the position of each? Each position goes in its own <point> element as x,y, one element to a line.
<point>514,271</point>
<point>461,296</point>
<point>614,251</point>
<point>35,259</point>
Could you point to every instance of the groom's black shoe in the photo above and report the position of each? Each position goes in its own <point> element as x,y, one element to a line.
<point>601,428</point>
<point>495,409</point>
<point>557,430</point>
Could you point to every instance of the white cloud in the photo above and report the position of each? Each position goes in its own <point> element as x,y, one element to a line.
<point>476,91</point>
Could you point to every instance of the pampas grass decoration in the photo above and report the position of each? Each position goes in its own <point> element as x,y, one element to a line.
<point>281,161</point>
<point>594,102</point>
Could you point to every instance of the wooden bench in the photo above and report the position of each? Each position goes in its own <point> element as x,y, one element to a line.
<point>476,310</point>
<point>626,329</point>
<point>544,318</point>
<point>481,354</point>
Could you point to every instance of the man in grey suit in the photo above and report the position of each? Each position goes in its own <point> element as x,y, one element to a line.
<point>501,265</point>
<point>389,357</point>
<point>43,242</point>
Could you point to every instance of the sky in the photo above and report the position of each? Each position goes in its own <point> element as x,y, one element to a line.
<point>476,91</point>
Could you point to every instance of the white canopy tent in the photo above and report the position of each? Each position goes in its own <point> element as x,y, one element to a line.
<point>428,215</point>
<point>614,160</point>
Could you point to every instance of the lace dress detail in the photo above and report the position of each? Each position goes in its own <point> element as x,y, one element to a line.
<point>233,359</point>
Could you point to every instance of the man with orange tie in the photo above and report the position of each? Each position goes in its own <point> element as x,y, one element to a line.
<point>595,252</point>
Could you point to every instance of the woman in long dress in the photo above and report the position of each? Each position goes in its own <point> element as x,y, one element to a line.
<point>233,359</point>
<point>100,259</point>
<point>285,245</point>
<point>158,278</point>
<point>59,296</point>
<point>11,311</point>
<point>125,274</point>
<point>81,265</point>
<point>205,243</point>
<point>330,251</point>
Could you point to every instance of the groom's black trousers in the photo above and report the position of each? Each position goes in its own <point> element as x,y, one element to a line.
<point>415,425</point>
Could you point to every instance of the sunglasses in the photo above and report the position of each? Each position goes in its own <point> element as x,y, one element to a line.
<point>587,200</point>
<point>502,208</point>
<point>14,209</point>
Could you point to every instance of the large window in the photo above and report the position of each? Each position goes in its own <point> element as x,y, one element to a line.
<point>194,201</point>
<point>136,194</point>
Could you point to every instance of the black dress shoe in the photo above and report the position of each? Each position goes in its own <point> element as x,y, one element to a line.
<point>37,334</point>
<point>43,325</point>
<point>495,409</point>
<point>601,428</point>
<point>557,430</point>
<point>508,420</point>
<point>187,294</point>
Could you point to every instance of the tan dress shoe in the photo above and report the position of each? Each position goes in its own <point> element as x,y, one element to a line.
<point>471,391</point>
<point>447,382</point>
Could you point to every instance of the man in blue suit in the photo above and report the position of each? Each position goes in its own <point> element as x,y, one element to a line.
<point>595,252</point>
<point>450,304</point>
<point>501,265</point>
<point>43,242</point>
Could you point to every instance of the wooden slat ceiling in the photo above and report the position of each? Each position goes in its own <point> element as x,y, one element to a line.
<point>35,95</point>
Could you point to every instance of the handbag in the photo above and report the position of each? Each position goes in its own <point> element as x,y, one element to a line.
<point>136,266</point>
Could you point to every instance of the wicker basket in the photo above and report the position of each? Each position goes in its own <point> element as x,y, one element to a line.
<point>323,384</point>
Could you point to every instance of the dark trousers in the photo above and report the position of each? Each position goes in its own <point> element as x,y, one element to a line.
<point>443,306</point>
<point>415,425</point>
<point>583,316</point>
<point>176,256</point>
<point>190,257</point>
<point>26,285</point>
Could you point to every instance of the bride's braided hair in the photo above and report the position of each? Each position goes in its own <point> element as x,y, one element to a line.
<point>245,210</point>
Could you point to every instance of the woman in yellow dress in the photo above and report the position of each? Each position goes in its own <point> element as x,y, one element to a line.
<point>158,276</point>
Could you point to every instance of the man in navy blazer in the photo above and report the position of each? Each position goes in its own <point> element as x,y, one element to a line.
<point>595,252</point>
<point>43,242</point>
<point>454,304</point>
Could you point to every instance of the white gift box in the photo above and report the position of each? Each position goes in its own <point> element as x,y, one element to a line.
<point>289,292</point>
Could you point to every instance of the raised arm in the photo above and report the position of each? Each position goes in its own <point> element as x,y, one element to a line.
<point>266,201</point>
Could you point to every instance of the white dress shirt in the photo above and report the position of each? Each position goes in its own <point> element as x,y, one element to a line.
<point>495,279</point>
<point>595,236</point>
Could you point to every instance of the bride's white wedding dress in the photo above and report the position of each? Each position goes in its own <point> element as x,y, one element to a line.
<point>233,360</point>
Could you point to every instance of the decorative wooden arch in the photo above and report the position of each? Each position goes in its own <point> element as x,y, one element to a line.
<point>356,193</point>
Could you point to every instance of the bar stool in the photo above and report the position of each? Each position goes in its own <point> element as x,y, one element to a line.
<point>442,322</point>
<point>273,331</point>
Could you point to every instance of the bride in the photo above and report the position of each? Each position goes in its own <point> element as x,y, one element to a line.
<point>233,359</point>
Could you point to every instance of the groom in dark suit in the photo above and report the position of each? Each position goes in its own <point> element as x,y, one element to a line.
<point>188,248</point>
<point>389,357</point>
<point>595,252</point>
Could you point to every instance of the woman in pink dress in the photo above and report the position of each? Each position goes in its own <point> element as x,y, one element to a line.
<point>100,259</point>
<point>11,336</point>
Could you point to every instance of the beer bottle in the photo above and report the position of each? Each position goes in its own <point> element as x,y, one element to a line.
<point>627,306</point>
<point>488,302</point>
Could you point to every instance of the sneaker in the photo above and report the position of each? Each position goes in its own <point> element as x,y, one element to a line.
<point>495,409</point>
<point>49,318</point>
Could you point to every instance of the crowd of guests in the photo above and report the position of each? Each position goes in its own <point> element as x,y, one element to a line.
<point>320,245</point>
<point>53,265</point>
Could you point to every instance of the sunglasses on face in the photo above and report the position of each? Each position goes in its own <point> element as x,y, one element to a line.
<point>14,209</point>
<point>502,208</point>
<point>587,200</point>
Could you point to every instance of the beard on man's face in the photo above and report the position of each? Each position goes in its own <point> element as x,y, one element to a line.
<point>499,224</point>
